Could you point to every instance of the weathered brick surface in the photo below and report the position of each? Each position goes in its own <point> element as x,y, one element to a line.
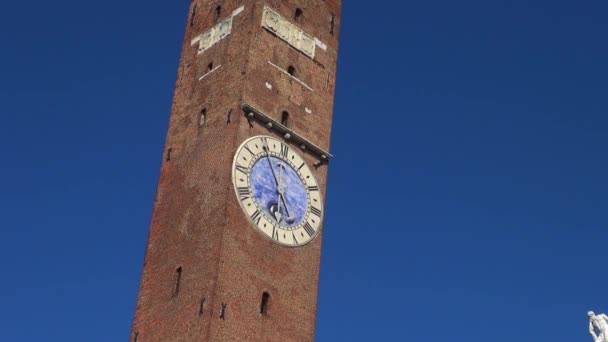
<point>197,222</point>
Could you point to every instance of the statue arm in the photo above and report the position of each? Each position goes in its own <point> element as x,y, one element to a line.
<point>591,331</point>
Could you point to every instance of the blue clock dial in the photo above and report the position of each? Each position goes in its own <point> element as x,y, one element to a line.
<point>277,191</point>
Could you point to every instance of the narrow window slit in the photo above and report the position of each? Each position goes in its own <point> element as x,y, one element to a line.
<point>135,336</point>
<point>178,280</point>
<point>193,15</point>
<point>210,67</point>
<point>284,118</point>
<point>203,118</point>
<point>291,70</point>
<point>264,304</point>
<point>229,117</point>
<point>169,154</point>
<point>201,310</point>
<point>218,12</point>
<point>223,311</point>
<point>332,24</point>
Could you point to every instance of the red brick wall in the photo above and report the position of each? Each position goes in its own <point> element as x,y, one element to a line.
<point>197,223</point>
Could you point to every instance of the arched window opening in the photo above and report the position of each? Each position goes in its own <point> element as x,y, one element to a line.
<point>284,118</point>
<point>264,304</point>
<point>291,70</point>
<point>210,66</point>
<point>298,14</point>
<point>178,280</point>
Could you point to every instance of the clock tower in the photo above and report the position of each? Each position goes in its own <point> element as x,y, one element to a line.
<point>234,245</point>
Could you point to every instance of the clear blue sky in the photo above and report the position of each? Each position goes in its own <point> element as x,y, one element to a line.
<point>468,200</point>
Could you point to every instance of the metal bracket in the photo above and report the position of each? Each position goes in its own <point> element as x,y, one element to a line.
<point>254,114</point>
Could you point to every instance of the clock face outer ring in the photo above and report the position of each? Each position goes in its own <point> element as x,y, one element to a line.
<point>309,217</point>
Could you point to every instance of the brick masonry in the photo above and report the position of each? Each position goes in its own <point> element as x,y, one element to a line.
<point>197,223</point>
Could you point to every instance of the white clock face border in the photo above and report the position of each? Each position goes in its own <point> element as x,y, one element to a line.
<point>277,191</point>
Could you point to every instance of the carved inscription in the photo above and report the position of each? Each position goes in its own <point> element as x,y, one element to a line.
<point>295,36</point>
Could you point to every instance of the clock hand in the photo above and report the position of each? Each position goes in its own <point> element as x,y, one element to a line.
<point>289,216</point>
<point>278,215</point>
<point>280,182</point>
<point>281,189</point>
<point>279,195</point>
<point>265,148</point>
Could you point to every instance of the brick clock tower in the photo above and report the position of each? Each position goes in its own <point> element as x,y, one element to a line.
<point>234,246</point>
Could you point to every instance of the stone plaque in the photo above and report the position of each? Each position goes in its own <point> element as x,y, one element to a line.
<point>218,32</point>
<point>293,35</point>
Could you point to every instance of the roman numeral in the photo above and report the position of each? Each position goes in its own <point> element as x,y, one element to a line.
<point>256,217</point>
<point>247,148</point>
<point>294,238</point>
<point>275,233</point>
<point>313,188</point>
<point>242,169</point>
<point>264,144</point>
<point>243,192</point>
<point>284,150</point>
<point>315,211</point>
<point>301,166</point>
<point>309,230</point>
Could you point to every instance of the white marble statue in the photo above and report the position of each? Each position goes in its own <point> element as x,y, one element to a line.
<point>598,323</point>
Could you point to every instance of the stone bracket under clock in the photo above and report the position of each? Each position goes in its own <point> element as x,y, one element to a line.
<point>254,114</point>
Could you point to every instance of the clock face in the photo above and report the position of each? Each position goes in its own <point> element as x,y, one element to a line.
<point>277,191</point>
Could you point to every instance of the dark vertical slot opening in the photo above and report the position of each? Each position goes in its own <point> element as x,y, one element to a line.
<point>332,24</point>
<point>298,14</point>
<point>203,117</point>
<point>169,154</point>
<point>291,70</point>
<point>210,66</point>
<point>284,118</point>
<point>218,12</point>
<point>264,304</point>
<point>135,336</point>
<point>193,15</point>
<point>201,310</point>
<point>223,311</point>
<point>229,116</point>
<point>178,280</point>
